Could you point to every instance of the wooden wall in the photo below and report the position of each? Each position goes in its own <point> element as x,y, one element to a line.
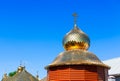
<point>77,73</point>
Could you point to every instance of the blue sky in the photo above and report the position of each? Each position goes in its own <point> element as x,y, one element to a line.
<point>31,31</point>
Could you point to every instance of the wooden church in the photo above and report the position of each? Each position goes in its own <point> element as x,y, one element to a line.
<point>76,63</point>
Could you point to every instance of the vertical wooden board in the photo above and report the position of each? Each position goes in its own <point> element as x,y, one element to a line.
<point>101,73</point>
<point>106,74</point>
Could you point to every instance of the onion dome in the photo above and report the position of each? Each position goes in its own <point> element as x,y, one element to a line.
<point>76,39</point>
<point>76,42</point>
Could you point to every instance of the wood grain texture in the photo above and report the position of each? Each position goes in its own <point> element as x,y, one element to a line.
<point>77,73</point>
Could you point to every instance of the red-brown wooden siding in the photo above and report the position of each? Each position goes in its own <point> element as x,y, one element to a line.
<point>76,73</point>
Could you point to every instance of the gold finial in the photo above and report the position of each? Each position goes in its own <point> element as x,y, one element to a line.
<point>75,18</point>
<point>21,67</point>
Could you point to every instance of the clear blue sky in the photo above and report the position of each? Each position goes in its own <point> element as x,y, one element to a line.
<point>31,31</point>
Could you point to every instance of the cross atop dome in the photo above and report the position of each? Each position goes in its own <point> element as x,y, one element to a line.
<point>76,38</point>
<point>75,18</point>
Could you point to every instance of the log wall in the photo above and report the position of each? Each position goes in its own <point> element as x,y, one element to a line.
<point>77,73</point>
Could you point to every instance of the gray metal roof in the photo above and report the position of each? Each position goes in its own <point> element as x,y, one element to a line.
<point>115,66</point>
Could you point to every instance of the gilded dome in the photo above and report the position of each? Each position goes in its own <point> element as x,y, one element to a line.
<point>76,43</point>
<point>76,57</point>
<point>76,39</point>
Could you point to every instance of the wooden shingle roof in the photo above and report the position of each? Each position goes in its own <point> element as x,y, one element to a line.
<point>21,76</point>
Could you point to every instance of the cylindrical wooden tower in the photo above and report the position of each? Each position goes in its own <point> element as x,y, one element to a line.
<point>76,63</point>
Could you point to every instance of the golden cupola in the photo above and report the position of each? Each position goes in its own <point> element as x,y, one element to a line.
<point>76,39</point>
<point>76,43</point>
